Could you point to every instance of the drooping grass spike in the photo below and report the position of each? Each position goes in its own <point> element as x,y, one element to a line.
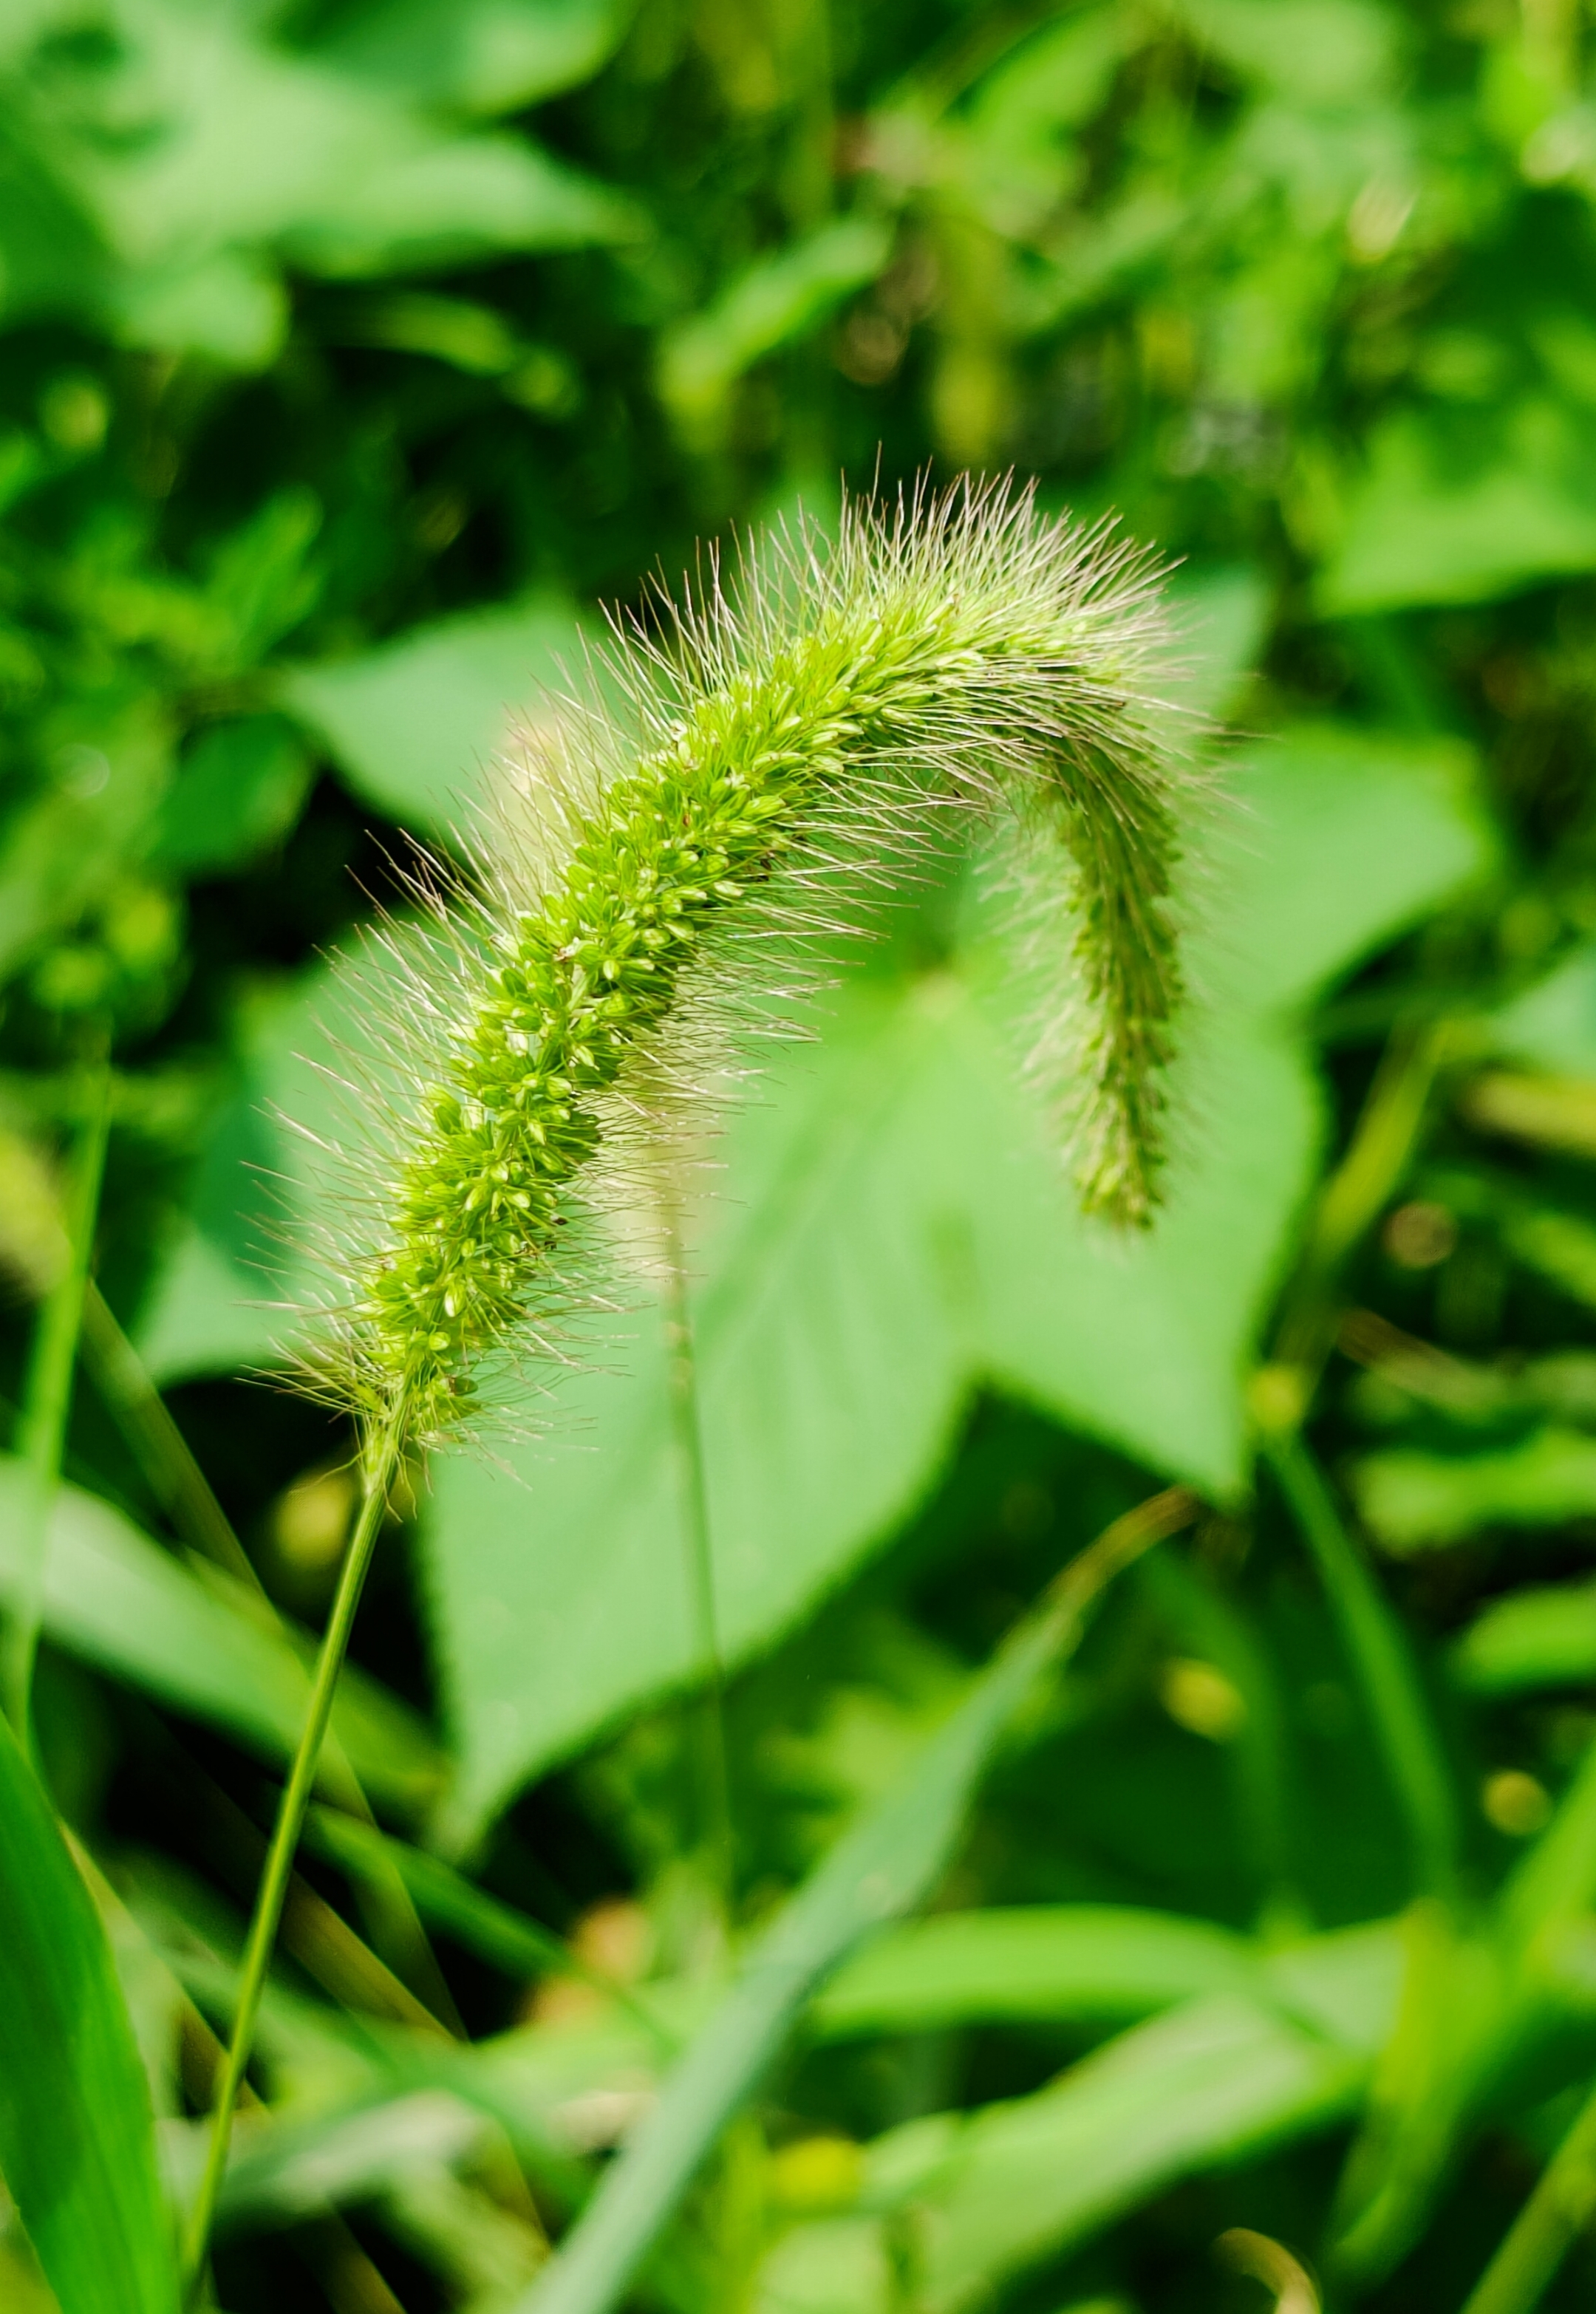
<point>779,748</point>
<point>771,759</point>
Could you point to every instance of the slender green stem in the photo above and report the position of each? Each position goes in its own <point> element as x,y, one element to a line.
<point>495,1932</point>
<point>1356,1193</point>
<point>184,1493</point>
<point>1398,1711</point>
<point>713,1772</point>
<point>47,1403</point>
<point>180,1485</point>
<point>382,1459</point>
<point>1553,2218</point>
<point>880,1870</point>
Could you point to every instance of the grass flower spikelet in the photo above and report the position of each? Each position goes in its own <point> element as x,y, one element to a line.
<point>792,743</point>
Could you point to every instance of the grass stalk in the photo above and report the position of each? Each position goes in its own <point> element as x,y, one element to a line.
<point>162,1454</point>
<point>880,1870</point>
<point>1398,1711</point>
<point>712,1770</point>
<point>1357,1192</point>
<point>47,1403</point>
<point>1545,2229</point>
<point>184,1493</point>
<point>381,1461</point>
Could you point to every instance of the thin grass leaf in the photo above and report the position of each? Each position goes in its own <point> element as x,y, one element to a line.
<point>1545,2229</point>
<point>1216,2080</point>
<point>877,1872</point>
<point>116,1599</point>
<point>1078,1962</point>
<point>445,1899</point>
<point>76,2132</point>
<point>1393,1694</point>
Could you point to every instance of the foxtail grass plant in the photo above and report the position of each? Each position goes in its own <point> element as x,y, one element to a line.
<point>751,767</point>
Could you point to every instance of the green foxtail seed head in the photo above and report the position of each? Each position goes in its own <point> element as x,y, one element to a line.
<point>781,751</point>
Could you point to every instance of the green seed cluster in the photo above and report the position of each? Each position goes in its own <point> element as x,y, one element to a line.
<point>584,982</point>
<point>966,644</point>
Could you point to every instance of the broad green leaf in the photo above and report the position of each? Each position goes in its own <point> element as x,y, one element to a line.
<point>415,725</point>
<point>54,261</point>
<point>774,300</point>
<point>1046,1961</point>
<point>1222,2078</point>
<point>1539,1638</point>
<point>238,1273</point>
<point>106,765</point>
<point>878,1871</point>
<point>1221,617</point>
<point>252,152</point>
<point>1335,840</point>
<point>1553,1025</point>
<point>1438,519</point>
<point>258,145</point>
<point>1412,1500</point>
<point>121,1602</point>
<point>1018,154</point>
<point>238,791</point>
<point>1319,52</point>
<point>228,303</point>
<point>825,2267</point>
<point>482,55</point>
<point>446,201</point>
<point>77,2142</point>
<point>895,1227</point>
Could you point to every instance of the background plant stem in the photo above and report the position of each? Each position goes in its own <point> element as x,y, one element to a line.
<point>1357,1192</point>
<point>381,1461</point>
<point>712,1773</point>
<point>1541,2237</point>
<point>184,1493</point>
<point>47,1400</point>
<point>1398,1711</point>
<point>886,1864</point>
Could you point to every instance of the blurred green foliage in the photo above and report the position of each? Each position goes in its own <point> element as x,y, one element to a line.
<point>353,352</point>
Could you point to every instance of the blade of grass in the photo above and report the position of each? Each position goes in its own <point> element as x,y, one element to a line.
<point>1357,1192</point>
<point>184,1493</point>
<point>712,1775</point>
<point>36,1246</point>
<point>319,1938</point>
<point>47,1403</point>
<point>180,1486</point>
<point>76,2132</point>
<point>328,2240</point>
<point>495,1932</point>
<point>1399,1713</point>
<point>285,1839</point>
<point>119,1601</point>
<point>875,1874</point>
<point>1545,2229</point>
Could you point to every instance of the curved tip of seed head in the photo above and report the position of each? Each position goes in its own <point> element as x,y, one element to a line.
<point>952,648</point>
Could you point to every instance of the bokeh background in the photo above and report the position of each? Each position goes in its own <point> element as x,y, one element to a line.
<point>353,356</point>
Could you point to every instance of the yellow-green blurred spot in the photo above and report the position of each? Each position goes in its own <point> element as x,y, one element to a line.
<point>1516,1804</point>
<point>815,2174</point>
<point>1198,1696</point>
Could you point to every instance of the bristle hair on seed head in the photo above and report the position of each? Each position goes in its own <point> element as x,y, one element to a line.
<point>743,770</point>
